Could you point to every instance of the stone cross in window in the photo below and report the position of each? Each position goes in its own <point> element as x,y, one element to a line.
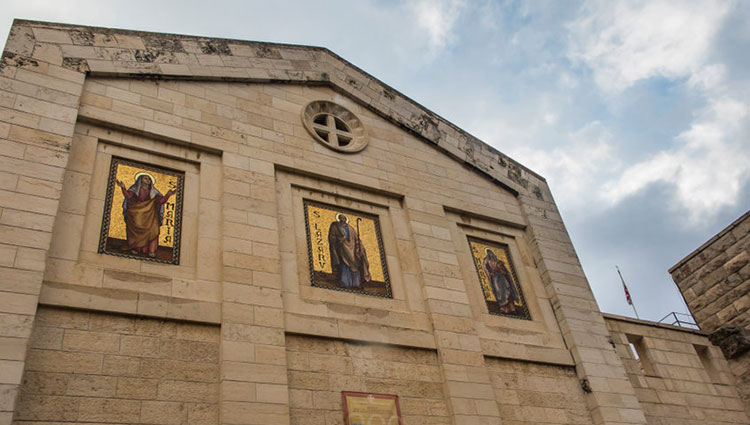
<point>332,129</point>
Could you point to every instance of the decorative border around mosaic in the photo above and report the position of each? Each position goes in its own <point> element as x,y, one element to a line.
<point>375,218</point>
<point>112,177</point>
<point>517,282</point>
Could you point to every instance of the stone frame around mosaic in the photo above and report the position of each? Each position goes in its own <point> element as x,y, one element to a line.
<point>379,238</point>
<point>74,260</point>
<point>539,339</point>
<point>179,195</point>
<point>403,315</point>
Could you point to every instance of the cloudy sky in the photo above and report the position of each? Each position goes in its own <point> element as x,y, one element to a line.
<point>636,112</point>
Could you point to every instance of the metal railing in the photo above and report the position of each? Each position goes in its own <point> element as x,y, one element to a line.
<point>686,321</point>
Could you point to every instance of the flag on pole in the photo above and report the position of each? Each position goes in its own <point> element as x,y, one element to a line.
<point>627,294</point>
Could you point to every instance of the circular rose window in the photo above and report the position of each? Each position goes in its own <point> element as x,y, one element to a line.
<point>334,126</point>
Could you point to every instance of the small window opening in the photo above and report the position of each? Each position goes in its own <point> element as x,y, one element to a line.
<point>708,364</point>
<point>323,134</point>
<point>340,125</point>
<point>320,119</point>
<point>633,351</point>
<point>334,126</point>
<point>640,353</point>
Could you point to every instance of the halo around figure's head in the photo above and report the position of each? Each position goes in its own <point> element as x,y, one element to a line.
<point>143,173</point>
<point>339,215</point>
<point>490,252</point>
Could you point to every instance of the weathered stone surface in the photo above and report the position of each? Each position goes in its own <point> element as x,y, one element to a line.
<point>679,375</point>
<point>320,368</point>
<point>714,277</point>
<point>715,280</point>
<point>76,382</point>
<point>734,341</point>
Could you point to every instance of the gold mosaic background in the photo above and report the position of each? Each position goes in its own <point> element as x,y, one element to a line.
<point>320,219</point>
<point>478,253</point>
<point>164,182</point>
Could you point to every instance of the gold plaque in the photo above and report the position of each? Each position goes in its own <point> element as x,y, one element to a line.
<point>142,212</point>
<point>498,278</point>
<point>345,250</point>
<point>371,409</point>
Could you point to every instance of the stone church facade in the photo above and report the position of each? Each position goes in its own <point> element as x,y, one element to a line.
<point>207,231</point>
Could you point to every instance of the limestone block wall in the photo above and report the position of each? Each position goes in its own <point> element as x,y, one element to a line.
<point>715,282</point>
<point>740,367</point>
<point>533,393</point>
<point>426,209</point>
<point>108,368</point>
<point>715,278</point>
<point>678,375</point>
<point>321,368</point>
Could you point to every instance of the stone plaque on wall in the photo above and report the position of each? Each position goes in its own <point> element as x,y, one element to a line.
<point>345,250</point>
<point>367,409</point>
<point>500,285</point>
<point>142,212</point>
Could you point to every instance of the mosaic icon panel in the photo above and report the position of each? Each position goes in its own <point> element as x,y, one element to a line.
<point>345,250</point>
<point>500,286</point>
<point>142,212</point>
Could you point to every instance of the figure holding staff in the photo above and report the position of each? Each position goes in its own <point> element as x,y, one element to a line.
<point>348,256</point>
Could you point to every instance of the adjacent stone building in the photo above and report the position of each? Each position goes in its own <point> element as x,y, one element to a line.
<point>715,282</point>
<point>206,231</point>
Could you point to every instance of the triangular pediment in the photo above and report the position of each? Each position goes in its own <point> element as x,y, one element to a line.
<point>104,52</point>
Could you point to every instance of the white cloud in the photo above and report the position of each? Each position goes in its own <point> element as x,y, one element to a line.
<point>437,18</point>
<point>490,12</point>
<point>624,42</point>
<point>566,81</point>
<point>550,118</point>
<point>573,170</point>
<point>708,165</point>
<point>708,78</point>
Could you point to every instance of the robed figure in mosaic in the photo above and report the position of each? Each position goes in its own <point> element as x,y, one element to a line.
<point>501,282</point>
<point>143,210</point>
<point>348,256</point>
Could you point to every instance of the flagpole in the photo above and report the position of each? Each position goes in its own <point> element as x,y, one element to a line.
<point>627,293</point>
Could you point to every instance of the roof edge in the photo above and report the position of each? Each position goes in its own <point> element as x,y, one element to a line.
<point>470,139</point>
<point>141,32</point>
<point>619,318</point>
<point>706,244</point>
